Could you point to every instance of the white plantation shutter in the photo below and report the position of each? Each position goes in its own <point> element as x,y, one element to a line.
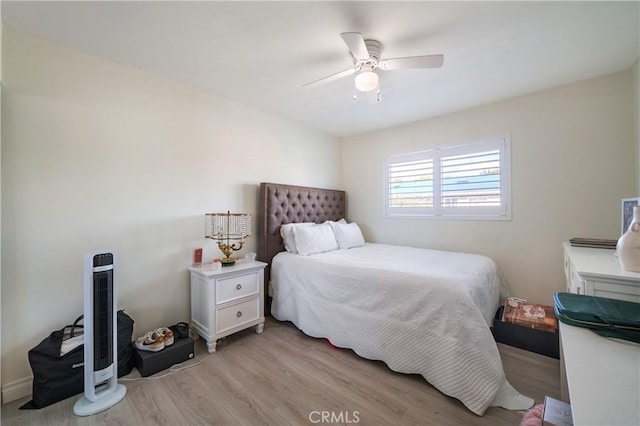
<point>410,188</point>
<point>464,181</point>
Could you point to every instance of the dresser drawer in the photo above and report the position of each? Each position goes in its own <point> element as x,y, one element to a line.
<point>614,289</point>
<point>235,315</point>
<point>233,288</point>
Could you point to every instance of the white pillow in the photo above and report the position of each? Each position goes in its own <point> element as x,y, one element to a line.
<point>348,235</point>
<point>331,222</point>
<point>314,239</point>
<point>286,231</point>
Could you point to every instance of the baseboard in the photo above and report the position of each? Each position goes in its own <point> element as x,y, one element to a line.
<point>16,390</point>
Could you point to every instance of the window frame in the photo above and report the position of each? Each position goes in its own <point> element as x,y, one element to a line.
<point>502,143</point>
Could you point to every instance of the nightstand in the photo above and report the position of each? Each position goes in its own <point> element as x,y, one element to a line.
<point>225,301</point>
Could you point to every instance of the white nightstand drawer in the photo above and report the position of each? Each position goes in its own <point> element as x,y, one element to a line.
<point>233,288</point>
<point>238,314</point>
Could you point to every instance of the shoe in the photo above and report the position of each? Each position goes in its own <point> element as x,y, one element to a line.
<point>181,330</point>
<point>152,341</point>
<point>166,334</point>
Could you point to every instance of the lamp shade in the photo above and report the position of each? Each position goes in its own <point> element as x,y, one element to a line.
<point>229,230</point>
<point>227,226</point>
<point>366,81</point>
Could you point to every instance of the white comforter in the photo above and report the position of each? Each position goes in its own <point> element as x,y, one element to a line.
<point>420,311</point>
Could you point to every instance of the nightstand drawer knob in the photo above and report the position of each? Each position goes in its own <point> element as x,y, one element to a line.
<point>239,314</point>
<point>239,286</point>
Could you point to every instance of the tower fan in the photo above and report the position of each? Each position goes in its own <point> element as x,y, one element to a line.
<point>101,387</point>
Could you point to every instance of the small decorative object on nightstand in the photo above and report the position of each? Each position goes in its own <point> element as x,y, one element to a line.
<point>227,300</point>
<point>628,247</point>
<point>197,256</point>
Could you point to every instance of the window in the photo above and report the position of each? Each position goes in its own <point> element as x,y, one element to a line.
<point>469,181</point>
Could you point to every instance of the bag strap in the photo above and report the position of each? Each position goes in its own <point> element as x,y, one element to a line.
<point>603,324</point>
<point>75,324</point>
<point>605,329</point>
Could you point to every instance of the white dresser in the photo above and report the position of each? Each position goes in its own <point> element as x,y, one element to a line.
<point>225,301</point>
<point>599,376</point>
<point>597,272</point>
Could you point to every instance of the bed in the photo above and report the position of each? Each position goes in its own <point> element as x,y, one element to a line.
<point>420,311</point>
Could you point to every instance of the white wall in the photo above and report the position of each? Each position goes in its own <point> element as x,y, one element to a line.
<point>0,175</point>
<point>635,71</point>
<point>99,156</point>
<point>573,160</point>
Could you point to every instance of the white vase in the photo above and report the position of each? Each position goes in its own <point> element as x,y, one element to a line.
<point>628,247</point>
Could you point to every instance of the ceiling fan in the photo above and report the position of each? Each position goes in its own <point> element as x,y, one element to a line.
<point>366,60</point>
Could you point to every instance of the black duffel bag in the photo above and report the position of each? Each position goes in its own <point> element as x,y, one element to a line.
<point>57,377</point>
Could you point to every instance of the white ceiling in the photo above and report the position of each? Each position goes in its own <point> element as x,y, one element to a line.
<point>261,53</point>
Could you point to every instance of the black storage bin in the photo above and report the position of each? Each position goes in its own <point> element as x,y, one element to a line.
<point>149,363</point>
<point>530,339</point>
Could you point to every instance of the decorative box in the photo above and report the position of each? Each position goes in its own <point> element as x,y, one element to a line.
<point>527,338</point>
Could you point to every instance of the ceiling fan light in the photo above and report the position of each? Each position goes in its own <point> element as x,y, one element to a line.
<point>366,81</point>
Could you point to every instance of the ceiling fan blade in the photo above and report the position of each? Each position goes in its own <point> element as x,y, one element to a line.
<point>355,43</point>
<point>330,78</point>
<point>429,61</point>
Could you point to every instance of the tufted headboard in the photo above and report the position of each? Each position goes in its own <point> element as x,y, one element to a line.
<point>281,204</point>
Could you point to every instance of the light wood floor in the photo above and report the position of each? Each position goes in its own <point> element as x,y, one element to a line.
<point>283,377</point>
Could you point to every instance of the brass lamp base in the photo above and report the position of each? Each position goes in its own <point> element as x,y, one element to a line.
<point>227,261</point>
<point>226,249</point>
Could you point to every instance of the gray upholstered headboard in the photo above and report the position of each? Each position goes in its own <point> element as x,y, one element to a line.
<point>281,204</point>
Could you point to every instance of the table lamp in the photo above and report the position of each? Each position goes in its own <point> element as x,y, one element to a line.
<point>229,230</point>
